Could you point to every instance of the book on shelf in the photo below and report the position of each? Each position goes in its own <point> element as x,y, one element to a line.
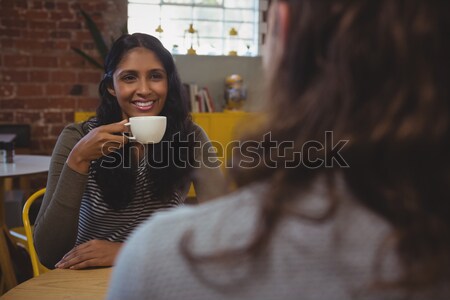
<point>200,99</point>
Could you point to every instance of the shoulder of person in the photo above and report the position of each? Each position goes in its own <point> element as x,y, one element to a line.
<point>227,213</point>
<point>82,128</point>
<point>75,131</point>
<point>74,127</point>
<point>154,252</point>
<point>70,131</point>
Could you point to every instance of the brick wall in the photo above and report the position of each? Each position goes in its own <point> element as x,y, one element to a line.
<point>42,81</point>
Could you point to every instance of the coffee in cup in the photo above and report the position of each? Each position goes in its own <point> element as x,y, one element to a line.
<point>147,129</point>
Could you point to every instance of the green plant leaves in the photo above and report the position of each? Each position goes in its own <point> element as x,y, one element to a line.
<point>102,48</point>
<point>89,58</point>
<point>100,45</point>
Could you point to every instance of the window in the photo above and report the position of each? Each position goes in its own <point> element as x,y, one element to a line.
<point>212,21</point>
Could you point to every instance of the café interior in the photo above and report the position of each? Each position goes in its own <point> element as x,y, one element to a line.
<point>53,59</point>
<point>45,84</point>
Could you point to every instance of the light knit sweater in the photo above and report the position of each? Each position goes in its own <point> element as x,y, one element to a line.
<point>305,260</point>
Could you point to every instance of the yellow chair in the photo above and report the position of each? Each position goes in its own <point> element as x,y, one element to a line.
<point>37,267</point>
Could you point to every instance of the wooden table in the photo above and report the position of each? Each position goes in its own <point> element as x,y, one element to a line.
<point>23,165</point>
<point>63,284</point>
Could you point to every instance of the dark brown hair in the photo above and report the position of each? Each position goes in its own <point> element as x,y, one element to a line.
<point>375,73</point>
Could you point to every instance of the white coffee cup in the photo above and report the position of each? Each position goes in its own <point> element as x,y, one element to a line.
<point>147,129</point>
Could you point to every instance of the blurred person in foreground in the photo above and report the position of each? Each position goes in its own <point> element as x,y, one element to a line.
<point>350,199</point>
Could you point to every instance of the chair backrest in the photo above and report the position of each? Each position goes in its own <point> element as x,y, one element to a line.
<point>37,267</point>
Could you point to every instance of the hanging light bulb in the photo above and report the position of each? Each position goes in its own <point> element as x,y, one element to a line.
<point>233,42</point>
<point>191,35</point>
<point>159,29</point>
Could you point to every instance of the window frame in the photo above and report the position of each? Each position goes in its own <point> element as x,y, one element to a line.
<point>249,44</point>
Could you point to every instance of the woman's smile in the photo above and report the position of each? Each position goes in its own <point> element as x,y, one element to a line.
<point>145,105</point>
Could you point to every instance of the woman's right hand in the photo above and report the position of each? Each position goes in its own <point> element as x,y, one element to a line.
<point>97,143</point>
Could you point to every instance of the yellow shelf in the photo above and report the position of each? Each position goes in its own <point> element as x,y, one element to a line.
<point>221,129</point>
<point>81,116</point>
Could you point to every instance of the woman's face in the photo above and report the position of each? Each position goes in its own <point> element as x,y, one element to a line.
<point>140,84</point>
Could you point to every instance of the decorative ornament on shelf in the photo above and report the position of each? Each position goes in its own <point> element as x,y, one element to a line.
<point>233,42</point>
<point>248,52</point>
<point>175,49</point>
<point>235,92</point>
<point>190,37</point>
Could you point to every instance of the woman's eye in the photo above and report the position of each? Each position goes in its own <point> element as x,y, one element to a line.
<point>128,78</point>
<point>156,76</point>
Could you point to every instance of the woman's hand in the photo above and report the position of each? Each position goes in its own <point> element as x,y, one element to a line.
<point>97,143</point>
<point>95,253</point>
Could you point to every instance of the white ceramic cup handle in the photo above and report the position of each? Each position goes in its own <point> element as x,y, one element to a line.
<point>127,136</point>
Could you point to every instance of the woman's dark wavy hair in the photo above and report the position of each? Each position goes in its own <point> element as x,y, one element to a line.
<point>376,73</point>
<point>117,182</point>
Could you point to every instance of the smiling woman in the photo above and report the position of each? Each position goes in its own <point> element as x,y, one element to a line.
<point>101,185</point>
